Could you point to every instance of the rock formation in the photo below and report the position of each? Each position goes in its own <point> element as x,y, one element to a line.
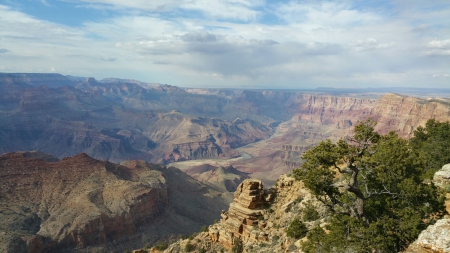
<point>435,239</point>
<point>318,117</point>
<point>83,203</point>
<point>257,220</point>
<point>65,118</point>
<point>442,177</point>
<point>243,215</point>
<point>403,114</point>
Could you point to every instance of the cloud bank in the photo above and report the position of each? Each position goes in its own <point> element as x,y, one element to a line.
<point>237,43</point>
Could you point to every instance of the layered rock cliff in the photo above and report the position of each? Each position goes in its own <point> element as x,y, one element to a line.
<point>255,222</point>
<point>91,205</point>
<point>403,114</point>
<point>318,117</point>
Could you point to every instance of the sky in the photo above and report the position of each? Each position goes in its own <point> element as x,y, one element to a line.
<point>236,43</point>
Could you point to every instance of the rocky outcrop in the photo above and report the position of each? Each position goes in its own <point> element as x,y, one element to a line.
<point>243,215</point>
<point>442,177</point>
<point>435,239</point>
<point>256,220</point>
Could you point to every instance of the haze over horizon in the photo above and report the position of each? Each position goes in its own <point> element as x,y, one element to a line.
<point>237,43</point>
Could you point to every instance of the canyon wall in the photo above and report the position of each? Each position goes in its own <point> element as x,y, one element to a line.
<point>318,117</point>
<point>403,114</point>
<point>80,202</point>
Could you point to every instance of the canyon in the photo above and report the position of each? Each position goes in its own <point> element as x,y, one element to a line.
<point>89,166</point>
<point>117,120</point>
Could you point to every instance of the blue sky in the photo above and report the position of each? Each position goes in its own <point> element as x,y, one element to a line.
<point>238,43</point>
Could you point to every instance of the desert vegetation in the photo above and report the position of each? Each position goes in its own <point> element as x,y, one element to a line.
<point>375,188</point>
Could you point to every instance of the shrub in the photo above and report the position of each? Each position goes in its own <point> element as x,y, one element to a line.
<point>189,247</point>
<point>309,212</point>
<point>297,229</point>
<point>238,247</point>
<point>161,245</point>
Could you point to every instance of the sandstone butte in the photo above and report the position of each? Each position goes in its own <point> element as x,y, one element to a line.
<point>81,204</point>
<point>259,217</point>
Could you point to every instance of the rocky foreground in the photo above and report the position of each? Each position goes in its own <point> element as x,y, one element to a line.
<point>258,218</point>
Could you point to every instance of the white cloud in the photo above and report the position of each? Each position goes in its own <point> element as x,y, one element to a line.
<point>236,10</point>
<point>369,44</point>
<point>439,47</point>
<point>313,43</point>
<point>325,14</point>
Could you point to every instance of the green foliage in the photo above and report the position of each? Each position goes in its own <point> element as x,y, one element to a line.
<point>127,251</point>
<point>309,212</point>
<point>189,247</point>
<point>161,245</point>
<point>192,236</point>
<point>372,186</point>
<point>298,199</point>
<point>431,145</point>
<point>238,246</point>
<point>204,229</point>
<point>297,229</point>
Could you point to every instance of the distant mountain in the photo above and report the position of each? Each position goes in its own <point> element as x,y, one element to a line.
<point>114,120</point>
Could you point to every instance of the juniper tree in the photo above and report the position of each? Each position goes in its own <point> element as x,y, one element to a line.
<point>373,189</point>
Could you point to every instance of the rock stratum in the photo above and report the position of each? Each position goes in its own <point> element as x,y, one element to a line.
<point>80,204</point>
<point>256,219</point>
<point>318,117</point>
<point>121,119</point>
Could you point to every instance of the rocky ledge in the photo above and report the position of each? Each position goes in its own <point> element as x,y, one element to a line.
<point>436,238</point>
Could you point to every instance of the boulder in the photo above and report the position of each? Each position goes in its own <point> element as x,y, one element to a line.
<point>442,177</point>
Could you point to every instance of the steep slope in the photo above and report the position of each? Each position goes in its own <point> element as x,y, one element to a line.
<point>321,117</point>
<point>55,206</point>
<point>225,179</point>
<point>257,220</point>
<point>64,121</point>
<point>403,114</point>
